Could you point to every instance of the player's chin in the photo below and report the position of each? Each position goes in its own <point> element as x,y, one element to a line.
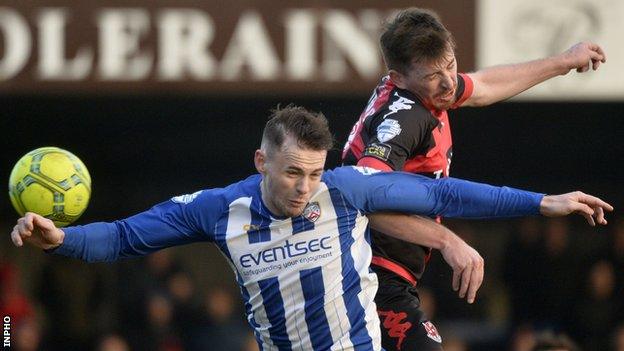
<point>443,104</point>
<point>294,211</point>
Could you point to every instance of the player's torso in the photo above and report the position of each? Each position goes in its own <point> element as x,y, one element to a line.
<point>430,155</point>
<point>305,280</point>
<point>434,150</point>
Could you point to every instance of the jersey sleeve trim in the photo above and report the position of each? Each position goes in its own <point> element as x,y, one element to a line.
<point>372,162</point>
<point>468,89</point>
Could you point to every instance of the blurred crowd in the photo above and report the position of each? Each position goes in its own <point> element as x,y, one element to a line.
<point>548,281</point>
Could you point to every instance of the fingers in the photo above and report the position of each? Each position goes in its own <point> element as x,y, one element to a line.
<point>16,238</point>
<point>588,218</point>
<point>25,228</point>
<point>30,220</point>
<point>598,49</point>
<point>476,281</point>
<point>587,56</point>
<point>600,217</point>
<point>594,201</point>
<point>465,280</point>
<point>43,223</point>
<point>456,279</point>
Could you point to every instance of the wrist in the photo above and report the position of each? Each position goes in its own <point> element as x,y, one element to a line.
<point>59,242</point>
<point>562,64</point>
<point>545,204</point>
<point>445,240</point>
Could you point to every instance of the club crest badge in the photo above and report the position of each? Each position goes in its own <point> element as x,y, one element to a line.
<point>388,129</point>
<point>312,212</point>
<point>432,332</point>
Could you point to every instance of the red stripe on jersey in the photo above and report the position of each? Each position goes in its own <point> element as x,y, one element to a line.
<point>437,160</point>
<point>355,143</point>
<point>394,268</point>
<point>372,162</point>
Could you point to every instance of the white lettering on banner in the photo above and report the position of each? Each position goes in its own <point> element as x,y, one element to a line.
<point>17,42</point>
<point>345,37</point>
<point>53,65</point>
<point>175,44</point>
<point>184,36</point>
<point>300,44</point>
<point>121,31</point>
<point>251,45</point>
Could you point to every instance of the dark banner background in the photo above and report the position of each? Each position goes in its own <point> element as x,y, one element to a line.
<point>143,150</point>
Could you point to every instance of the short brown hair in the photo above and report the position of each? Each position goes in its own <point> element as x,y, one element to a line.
<point>414,35</point>
<point>310,129</point>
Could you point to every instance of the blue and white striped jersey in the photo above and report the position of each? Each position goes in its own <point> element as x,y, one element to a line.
<point>305,280</point>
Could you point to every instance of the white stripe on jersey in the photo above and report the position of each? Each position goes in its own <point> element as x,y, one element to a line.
<point>260,315</point>
<point>362,255</point>
<point>335,308</point>
<point>239,216</point>
<point>284,255</point>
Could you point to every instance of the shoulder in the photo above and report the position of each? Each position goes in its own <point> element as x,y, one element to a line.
<point>219,199</point>
<point>347,175</point>
<point>404,108</point>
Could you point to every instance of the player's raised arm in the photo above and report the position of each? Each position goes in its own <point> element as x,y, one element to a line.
<point>498,83</point>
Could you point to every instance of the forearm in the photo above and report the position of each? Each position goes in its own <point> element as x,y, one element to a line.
<point>451,197</point>
<point>92,242</point>
<point>414,229</point>
<point>139,235</point>
<point>498,83</point>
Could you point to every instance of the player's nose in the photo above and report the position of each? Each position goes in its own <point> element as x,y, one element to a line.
<point>303,186</point>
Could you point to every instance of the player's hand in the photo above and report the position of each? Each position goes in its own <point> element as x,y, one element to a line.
<point>38,231</point>
<point>590,207</point>
<point>582,56</point>
<point>467,265</point>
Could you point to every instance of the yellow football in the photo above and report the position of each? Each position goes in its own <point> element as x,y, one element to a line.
<point>51,182</point>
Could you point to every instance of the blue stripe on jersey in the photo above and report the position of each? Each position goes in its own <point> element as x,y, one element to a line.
<point>259,230</point>
<point>351,280</point>
<point>274,307</point>
<point>301,224</point>
<point>314,293</point>
<point>251,319</point>
<point>220,231</point>
<point>220,240</point>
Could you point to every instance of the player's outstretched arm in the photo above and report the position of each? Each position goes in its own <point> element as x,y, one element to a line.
<point>467,264</point>
<point>38,231</point>
<point>498,83</point>
<point>590,207</point>
<point>181,220</point>
<point>372,191</point>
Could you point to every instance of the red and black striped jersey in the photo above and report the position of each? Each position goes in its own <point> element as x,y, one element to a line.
<point>397,132</point>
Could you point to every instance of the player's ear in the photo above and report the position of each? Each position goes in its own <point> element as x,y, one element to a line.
<point>260,161</point>
<point>397,78</point>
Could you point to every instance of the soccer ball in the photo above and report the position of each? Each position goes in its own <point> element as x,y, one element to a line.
<point>51,182</point>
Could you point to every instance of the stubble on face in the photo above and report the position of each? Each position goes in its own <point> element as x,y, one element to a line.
<point>434,81</point>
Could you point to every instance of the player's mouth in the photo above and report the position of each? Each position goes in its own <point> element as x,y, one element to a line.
<point>298,203</point>
<point>448,96</point>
